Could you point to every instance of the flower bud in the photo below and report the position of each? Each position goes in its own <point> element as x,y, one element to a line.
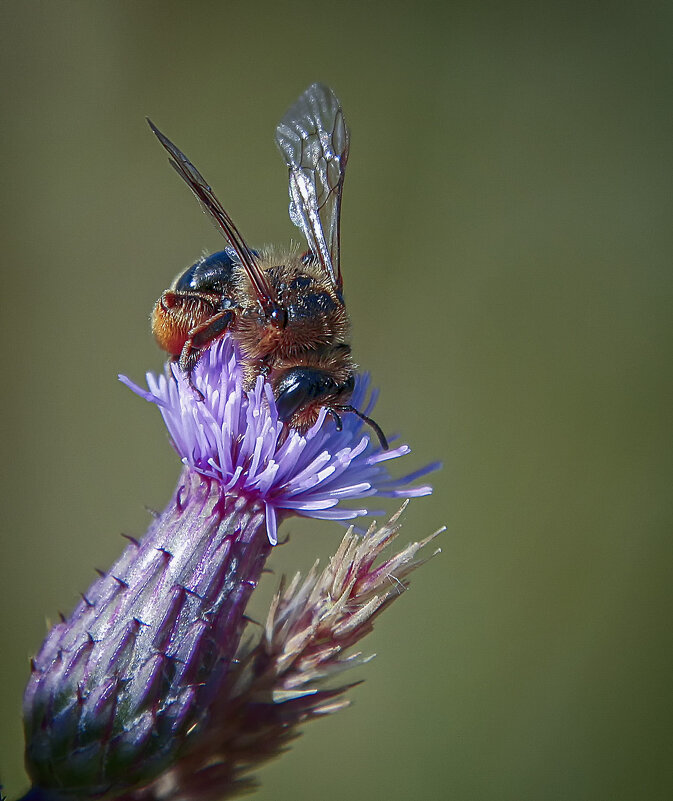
<point>125,683</point>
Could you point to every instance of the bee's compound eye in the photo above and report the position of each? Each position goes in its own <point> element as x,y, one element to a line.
<point>299,386</point>
<point>278,317</point>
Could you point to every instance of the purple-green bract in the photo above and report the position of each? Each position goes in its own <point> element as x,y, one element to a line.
<point>236,438</point>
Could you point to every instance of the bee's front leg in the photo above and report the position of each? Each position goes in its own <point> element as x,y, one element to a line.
<point>199,338</point>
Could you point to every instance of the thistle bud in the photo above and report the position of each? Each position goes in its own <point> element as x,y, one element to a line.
<point>129,678</point>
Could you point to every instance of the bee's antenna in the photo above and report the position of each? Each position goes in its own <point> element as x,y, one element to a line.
<point>377,428</point>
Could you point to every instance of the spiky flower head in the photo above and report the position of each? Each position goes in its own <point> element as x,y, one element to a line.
<point>236,438</point>
<point>135,681</point>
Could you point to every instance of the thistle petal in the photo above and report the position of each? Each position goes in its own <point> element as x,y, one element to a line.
<point>236,438</point>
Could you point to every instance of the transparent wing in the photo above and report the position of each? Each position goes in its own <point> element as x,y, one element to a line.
<point>314,141</point>
<point>212,206</point>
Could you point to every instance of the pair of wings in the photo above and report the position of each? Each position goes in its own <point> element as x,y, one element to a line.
<point>314,141</point>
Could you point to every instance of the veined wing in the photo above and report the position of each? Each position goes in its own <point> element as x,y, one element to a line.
<point>314,141</point>
<point>212,206</point>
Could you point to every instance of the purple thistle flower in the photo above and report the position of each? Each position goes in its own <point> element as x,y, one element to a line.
<point>135,680</point>
<point>236,438</point>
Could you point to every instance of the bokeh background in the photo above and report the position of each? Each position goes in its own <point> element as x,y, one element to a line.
<point>507,254</point>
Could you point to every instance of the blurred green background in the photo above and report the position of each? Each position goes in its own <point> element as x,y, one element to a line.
<point>507,255</point>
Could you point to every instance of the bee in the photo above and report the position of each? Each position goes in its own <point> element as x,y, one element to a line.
<point>284,310</point>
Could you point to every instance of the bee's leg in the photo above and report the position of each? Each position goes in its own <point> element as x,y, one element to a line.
<point>337,419</point>
<point>199,338</point>
<point>365,419</point>
<point>202,335</point>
